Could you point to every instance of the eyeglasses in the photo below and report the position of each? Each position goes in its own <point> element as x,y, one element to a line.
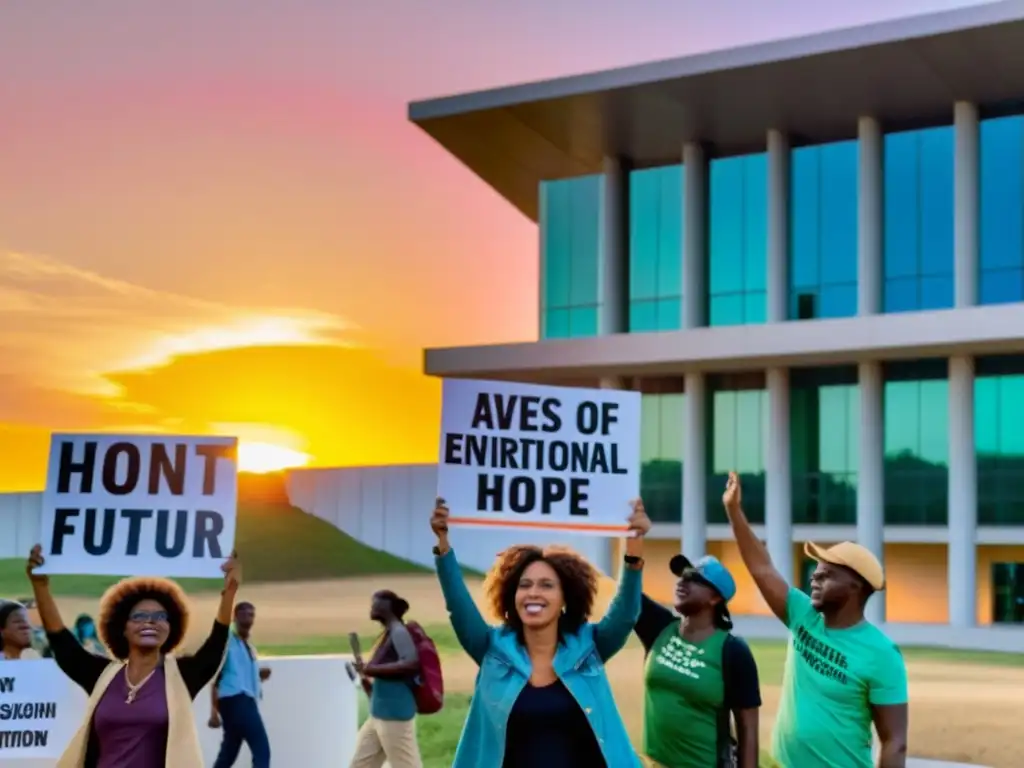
<point>153,617</point>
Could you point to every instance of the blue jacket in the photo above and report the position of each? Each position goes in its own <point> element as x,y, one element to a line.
<point>505,669</point>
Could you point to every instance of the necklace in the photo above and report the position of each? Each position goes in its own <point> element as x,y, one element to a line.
<point>133,690</point>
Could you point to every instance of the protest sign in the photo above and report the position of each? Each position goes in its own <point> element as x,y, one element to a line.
<point>141,505</point>
<point>522,455</point>
<point>40,710</point>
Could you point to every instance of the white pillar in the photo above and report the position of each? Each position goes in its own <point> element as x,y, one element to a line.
<point>778,501</point>
<point>870,205</point>
<point>695,527</point>
<point>778,227</point>
<point>963,495</point>
<point>613,274</point>
<point>965,204</point>
<point>694,236</point>
<point>870,482</point>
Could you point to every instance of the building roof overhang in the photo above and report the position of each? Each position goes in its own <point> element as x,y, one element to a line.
<point>907,73</point>
<point>988,330</point>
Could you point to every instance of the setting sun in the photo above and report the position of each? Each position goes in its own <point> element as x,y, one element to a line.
<point>264,457</point>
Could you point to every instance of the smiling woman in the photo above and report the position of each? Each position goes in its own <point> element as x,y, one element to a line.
<point>266,457</point>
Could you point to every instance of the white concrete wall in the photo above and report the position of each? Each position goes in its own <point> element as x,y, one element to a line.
<point>19,523</point>
<point>388,508</point>
<point>310,709</point>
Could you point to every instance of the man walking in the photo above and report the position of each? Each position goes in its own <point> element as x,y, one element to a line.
<point>842,673</point>
<point>235,695</point>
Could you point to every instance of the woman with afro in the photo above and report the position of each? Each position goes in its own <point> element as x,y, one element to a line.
<point>139,711</point>
<point>542,697</point>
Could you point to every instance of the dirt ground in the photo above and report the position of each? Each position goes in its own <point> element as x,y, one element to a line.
<point>959,712</point>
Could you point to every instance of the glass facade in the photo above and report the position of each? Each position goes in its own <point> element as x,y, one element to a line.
<point>656,249</point>
<point>824,445</point>
<point>916,432</point>
<point>570,225</point>
<point>918,180</point>
<point>1008,593</point>
<point>737,441</point>
<point>661,455</point>
<point>737,240</point>
<point>999,439</point>
<point>823,231</point>
<point>1001,211</point>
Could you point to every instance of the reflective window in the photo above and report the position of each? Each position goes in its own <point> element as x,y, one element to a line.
<point>656,249</point>
<point>661,455</point>
<point>1008,593</point>
<point>824,445</point>
<point>916,443</point>
<point>1001,223</point>
<point>737,240</point>
<point>999,439</point>
<point>570,224</point>
<point>919,220</point>
<point>823,231</point>
<point>737,435</point>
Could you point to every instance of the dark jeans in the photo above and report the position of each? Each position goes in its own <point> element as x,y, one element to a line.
<point>242,722</point>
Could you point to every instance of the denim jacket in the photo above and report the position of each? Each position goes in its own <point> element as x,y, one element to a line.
<point>505,669</point>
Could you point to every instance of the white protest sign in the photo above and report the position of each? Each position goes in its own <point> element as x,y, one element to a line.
<point>40,710</point>
<point>141,505</point>
<point>528,456</point>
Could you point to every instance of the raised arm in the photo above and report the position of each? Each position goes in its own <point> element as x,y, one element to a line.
<point>203,666</point>
<point>472,631</point>
<point>612,632</point>
<point>653,619</point>
<point>74,661</point>
<point>771,584</point>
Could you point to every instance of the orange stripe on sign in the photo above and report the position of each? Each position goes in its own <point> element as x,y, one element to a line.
<point>531,524</point>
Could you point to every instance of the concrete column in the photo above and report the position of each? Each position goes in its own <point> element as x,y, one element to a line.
<point>965,204</point>
<point>778,227</point>
<point>778,501</point>
<point>871,485</point>
<point>613,275</point>
<point>695,527</point>
<point>963,495</point>
<point>870,210</point>
<point>695,185</point>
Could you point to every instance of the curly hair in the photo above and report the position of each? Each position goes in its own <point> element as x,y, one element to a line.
<point>117,604</point>
<point>577,577</point>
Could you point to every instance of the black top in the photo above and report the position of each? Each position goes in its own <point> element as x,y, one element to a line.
<point>85,668</point>
<point>547,729</point>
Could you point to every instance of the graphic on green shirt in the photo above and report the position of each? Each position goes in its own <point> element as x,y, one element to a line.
<point>684,692</point>
<point>832,678</point>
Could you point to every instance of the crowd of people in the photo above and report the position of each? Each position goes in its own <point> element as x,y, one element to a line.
<point>542,696</point>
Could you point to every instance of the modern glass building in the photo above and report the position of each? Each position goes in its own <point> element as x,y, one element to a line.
<point>809,257</point>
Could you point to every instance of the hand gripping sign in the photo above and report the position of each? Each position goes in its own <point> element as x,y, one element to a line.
<point>140,505</point>
<point>522,455</point>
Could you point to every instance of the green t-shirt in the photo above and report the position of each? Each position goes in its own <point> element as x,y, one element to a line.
<point>832,678</point>
<point>684,692</point>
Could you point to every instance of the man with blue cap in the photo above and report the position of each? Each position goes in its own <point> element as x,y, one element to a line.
<point>698,677</point>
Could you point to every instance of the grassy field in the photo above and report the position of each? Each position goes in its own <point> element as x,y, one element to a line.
<point>986,735</point>
<point>277,544</point>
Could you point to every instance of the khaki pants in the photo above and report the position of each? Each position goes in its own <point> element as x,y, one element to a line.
<point>391,740</point>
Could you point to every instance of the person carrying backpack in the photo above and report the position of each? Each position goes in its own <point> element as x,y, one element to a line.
<point>698,676</point>
<point>389,733</point>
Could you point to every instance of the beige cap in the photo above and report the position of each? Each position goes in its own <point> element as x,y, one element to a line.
<point>858,559</point>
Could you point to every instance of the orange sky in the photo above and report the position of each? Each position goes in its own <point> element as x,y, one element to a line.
<point>216,218</point>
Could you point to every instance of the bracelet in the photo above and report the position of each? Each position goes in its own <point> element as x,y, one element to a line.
<point>633,560</point>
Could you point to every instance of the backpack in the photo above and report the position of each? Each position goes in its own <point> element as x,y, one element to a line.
<point>729,751</point>
<point>428,685</point>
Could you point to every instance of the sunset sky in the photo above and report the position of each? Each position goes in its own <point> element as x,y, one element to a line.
<point>215,217</point>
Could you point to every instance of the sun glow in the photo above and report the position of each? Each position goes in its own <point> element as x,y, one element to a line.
<point>265,457</point>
